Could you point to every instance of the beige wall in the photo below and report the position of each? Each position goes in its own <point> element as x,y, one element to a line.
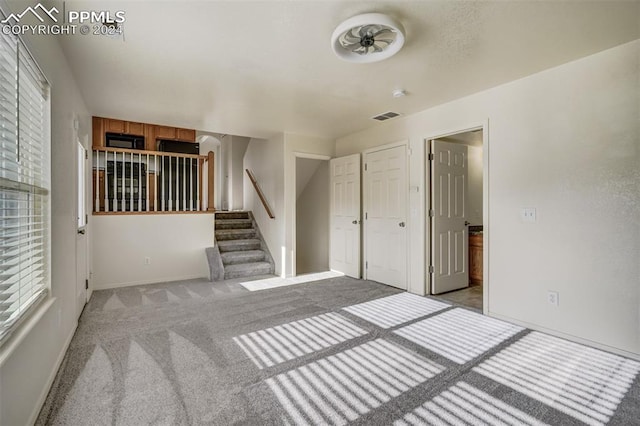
<point>265,158</point>
<point>312,219</point>
<point>566,142</point>
<point>174,243</point>
<point>29,360</point>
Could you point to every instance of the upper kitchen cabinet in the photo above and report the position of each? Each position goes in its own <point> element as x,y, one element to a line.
<point>150,132</point>
<point>188,135</point>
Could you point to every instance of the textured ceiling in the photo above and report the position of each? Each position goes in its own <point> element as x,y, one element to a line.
<point>258,68</point>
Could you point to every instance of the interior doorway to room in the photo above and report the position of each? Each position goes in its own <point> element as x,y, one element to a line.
<point>312,214</point>
<point>456,217</point>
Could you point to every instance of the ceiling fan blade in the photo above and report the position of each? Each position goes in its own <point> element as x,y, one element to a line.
<point>376,49</point>
<point>386,41</point>
<point>384,30</point>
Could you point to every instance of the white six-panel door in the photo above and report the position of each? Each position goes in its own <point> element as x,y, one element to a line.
<point>449,239</point>
<point>385,221</point>
<point>344,253</point>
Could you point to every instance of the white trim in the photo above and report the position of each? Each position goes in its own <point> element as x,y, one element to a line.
<point>151,281</point>
<point>294,216</point>
<point>24,329</point>
<point>566,336</point>
<point>484,125</point>
<point>363,202</point>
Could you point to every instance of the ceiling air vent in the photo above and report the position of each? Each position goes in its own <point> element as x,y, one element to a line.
<point>385,116</point>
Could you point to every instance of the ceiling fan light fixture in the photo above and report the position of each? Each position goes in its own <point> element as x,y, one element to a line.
<point>369,37</point>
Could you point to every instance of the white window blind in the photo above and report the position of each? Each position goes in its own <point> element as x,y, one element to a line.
<point>24,183</point>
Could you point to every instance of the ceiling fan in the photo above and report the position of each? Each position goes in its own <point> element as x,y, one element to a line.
<point>369,37</point>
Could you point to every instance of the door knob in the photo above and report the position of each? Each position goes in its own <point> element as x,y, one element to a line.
<point>355,222</point>
<point>466,223</point>
<point>81,231</point>
<point>401,224</point>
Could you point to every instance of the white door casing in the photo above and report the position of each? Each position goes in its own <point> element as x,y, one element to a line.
<point>449,236</point>
<point>345,221</point>
<point>385,216</point>
<point>82,258</point>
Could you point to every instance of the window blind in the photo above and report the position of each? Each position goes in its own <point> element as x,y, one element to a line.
<point>24,183</point>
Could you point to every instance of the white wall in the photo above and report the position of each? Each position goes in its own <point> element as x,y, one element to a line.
<point>239,146</point>
<point>475,185</point>
<point>566,142</point>
<point>312,219</point>
<point>29,360</point>
<point>265,158</point>
<point>297,145</point>
<point>175,244</point>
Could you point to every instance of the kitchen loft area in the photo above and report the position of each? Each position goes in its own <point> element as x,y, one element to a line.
<point>141,168</point>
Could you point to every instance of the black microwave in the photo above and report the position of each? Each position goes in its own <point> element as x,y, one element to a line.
<point>121,140</point>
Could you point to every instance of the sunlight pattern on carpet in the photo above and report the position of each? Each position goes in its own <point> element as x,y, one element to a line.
<point>267,283</point>
<point>458,334</point>
<point>390,311</point>
<point>585,383</point>
<point>289,341</point>
<point>464,405</point>
<point>342,387</point>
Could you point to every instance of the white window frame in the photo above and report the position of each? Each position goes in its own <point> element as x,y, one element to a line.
<point>25,183</point>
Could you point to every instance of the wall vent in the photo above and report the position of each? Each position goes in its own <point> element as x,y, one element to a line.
<point>385,116</point>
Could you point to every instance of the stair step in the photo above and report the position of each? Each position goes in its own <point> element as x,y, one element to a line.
<point>235,234</point>
<point>234,224</point>
<point>238,245</point>
<point>245,256</point>
<point>247,270</point>
<point>232,215</point>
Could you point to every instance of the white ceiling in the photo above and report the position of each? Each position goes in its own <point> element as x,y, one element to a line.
<point>263,67</point>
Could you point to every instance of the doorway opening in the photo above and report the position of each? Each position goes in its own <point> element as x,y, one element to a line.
<point>312,215</point>
<point>457,217</point>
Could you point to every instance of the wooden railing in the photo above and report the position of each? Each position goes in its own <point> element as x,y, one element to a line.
<point>260,194</point>
<point>136,182</point>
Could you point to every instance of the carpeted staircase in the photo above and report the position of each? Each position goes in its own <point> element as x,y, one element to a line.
<point>241,248</point>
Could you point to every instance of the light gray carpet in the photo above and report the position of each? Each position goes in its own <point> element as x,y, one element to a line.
<point>337,351</point>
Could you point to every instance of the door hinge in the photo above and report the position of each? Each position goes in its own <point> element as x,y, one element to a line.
<point>366,215</point>
<point>366,265</point>
<point>432,213</point>
<point>431,269</point>
<point>431,156</point>
<point>365,167</point>
<point>86,219</point>
<point>86,155</point>
<point>86,284</point>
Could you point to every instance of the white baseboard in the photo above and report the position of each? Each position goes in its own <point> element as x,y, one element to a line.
<point>144,282</point>
<point>567,336</point>
<point>45,390</point>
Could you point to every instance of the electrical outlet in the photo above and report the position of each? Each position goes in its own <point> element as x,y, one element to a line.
<point>147,260</point>
<point>528,215</point>
<point>553,298</point>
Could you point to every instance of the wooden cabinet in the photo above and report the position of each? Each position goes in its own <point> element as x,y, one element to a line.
<point>151,132</point>
<point>475,259</point>
<point>164,132</point>
<point>134,128</point>
<point>188,135</point>
<point>115,126</point>
<point>98,132</point>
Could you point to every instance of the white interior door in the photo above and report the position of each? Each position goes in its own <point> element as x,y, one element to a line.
<point>82,258</point>
<point>449,236</point>
<point>345,215</point>
<point>385,216</point>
